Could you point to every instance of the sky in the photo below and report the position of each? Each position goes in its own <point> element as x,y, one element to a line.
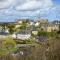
<point>11,10</point>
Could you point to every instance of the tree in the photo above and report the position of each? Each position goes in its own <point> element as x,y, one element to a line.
<point>59,27</point>
<point>3,25</point>
<point>11,28</point>
<point>23,26</point>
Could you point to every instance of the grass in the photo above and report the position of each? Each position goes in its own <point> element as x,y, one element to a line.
<point>3,52</point>
<point>6,51</point>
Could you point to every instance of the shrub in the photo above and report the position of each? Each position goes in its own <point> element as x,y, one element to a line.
<point>9,43</point>
<point>8,46</point>
<point>30,41</point>
<point>42,33</point>
<point>52,34</point>
<point>58,32</point>
<point>47,34</point>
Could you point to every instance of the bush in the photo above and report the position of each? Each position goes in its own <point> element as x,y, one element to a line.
<point>9,43</point>
<point>8,46</point>
<point>52,34</point>
<point>42,33</point>
<point>47,34</point>
<point>30,41</point>
<point>58,32</point>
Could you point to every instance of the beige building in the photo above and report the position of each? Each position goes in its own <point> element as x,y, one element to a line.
<point>52,27</point>
<point>35,32</point>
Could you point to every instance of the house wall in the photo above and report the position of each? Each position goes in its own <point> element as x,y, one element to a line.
<point>52,28</point>
<point>23,37</point>
<point>35,32</point>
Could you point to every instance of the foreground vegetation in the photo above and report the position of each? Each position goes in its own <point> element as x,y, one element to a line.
<point>7,46</point>
<point>46,50</point>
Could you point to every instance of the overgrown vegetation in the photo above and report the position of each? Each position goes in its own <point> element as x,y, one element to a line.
<point>11,28</point>
<point>47,34</point>
<point>28,41</point>
<point>8,45</point>
<point>49,50</point>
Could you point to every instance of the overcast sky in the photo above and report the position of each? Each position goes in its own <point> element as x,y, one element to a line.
<point>10,10</point>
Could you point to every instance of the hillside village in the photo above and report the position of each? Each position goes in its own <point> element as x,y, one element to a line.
<point>24,28</point>
<point>41,24</point>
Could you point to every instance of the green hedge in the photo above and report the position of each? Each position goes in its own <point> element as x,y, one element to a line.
<point>47,34</point>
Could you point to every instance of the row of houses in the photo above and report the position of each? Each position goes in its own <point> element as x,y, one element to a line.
<point>43,24</point>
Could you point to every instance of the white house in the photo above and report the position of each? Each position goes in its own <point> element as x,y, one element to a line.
<point>7,31</point>
<point>23,35</point>
<point>37,23</point>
